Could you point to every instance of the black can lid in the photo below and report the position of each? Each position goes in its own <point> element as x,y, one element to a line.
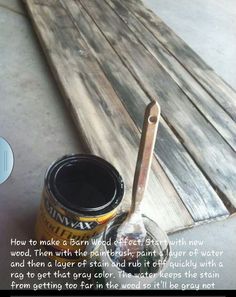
<point>85,184</point>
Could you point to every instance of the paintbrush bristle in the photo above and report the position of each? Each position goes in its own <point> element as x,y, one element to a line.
<point>131,237</point>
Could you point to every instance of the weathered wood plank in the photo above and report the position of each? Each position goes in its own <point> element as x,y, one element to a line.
<point>220,90</point>
<point>106,127</point>
<point>209,150</point>
<point>209,107</point>
<point>195,191</point>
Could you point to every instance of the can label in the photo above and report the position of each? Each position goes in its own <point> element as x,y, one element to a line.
<point>67,221</point>
<point>54,223</point>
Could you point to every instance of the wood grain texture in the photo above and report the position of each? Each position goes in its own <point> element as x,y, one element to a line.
<point>209,150</point>
<point>212,83</point>
<point>194,189</point>
<point>205,103</point>
<point>106,127</point>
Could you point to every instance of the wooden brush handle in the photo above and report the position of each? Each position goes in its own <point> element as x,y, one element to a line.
<point>144,160</point>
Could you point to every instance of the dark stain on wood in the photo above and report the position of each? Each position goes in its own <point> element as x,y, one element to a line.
<point>222,122</point>
<point>110,58</point>
<point>135,100</point>
<point>208,149</point>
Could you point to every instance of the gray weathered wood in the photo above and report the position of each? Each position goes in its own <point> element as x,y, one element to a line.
<point>209,107</point>
<point>106,128</point>
<point>220,90</point>
<point>214,156</point>
<point>193,188</point>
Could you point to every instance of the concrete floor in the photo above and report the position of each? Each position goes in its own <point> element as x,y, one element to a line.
<point>36,123</point>
<point>208,26</point>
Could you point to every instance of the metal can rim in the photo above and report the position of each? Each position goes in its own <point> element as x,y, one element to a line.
<point>80,211</point>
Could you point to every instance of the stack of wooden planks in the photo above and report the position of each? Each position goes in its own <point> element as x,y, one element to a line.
<point>110,58</point>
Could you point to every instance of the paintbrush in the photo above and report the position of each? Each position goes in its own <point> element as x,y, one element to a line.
<point>131,233</point>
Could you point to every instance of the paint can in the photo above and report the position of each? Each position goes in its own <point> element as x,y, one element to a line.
<point>80,196</point>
